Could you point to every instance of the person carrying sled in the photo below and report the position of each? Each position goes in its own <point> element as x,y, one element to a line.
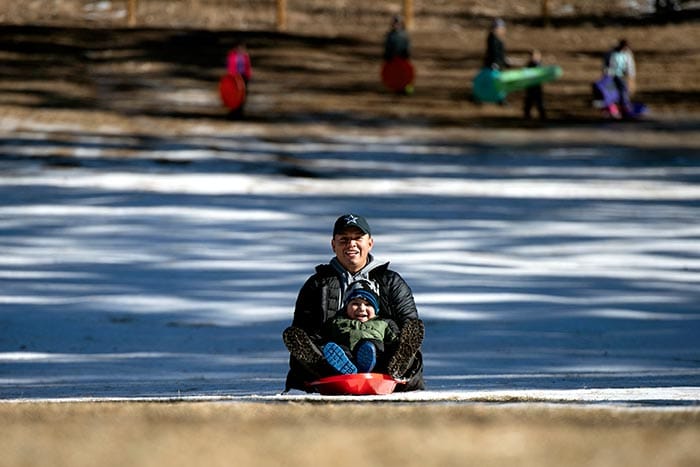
<point>323,294</point>
<point>238,64</point>
<point>397,70</point>
<point>620,66</point>
<point>495,58</point>
<point>358,335</point>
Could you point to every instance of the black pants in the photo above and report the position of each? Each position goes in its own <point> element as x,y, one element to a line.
<point>534,96</point>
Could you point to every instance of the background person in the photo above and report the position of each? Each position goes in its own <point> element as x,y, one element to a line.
<point>397,43</point>
<point>495,57</point>
<point>620,65</point>
<point>238,62</point>
<point>534,95</point>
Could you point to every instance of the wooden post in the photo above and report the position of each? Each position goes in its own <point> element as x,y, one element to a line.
<point>281,15</point>
<point>545,13</point>
<point>131,13</point>
<point>408,13</point>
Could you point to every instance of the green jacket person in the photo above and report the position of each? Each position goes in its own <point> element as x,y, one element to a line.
<point>357,334</point>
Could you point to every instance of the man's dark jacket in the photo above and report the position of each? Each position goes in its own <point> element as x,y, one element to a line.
<point>397,44</point>
<point>320,299</point>
<point>495,53</point>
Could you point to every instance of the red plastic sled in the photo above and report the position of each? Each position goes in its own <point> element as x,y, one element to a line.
<point>232,90</point>
<point>398,74</point>
<point>358,384</point>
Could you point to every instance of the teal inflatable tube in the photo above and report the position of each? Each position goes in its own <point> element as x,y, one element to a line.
<point>494,85</point>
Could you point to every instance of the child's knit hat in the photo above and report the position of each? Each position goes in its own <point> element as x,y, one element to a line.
<point>363,289</point>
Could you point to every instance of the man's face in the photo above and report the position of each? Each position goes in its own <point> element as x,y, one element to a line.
<point>352,246</point>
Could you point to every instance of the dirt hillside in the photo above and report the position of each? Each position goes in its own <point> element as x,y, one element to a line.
<point>325,68</point>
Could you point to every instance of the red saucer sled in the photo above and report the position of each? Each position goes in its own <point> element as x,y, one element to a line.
<point>398,74</point>
<point>232,90</point>
<point>357,384</point>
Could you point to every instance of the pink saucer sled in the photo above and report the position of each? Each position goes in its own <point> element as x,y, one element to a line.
<point>232,90</point>
<point>358,384</point>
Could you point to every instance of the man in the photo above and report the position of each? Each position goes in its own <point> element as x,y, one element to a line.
<point>495,57</point>
<point>321,298</point>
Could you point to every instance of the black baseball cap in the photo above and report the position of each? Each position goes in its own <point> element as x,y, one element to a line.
<point>351,220</point>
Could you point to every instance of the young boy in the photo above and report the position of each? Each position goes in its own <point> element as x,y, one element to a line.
<point>533,94</point>
<point>358,335</point>
<point>238,63</point>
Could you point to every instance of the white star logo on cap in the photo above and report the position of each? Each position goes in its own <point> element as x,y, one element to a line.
<point>350,219</point>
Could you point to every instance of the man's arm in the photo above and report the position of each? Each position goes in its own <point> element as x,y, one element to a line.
<point>308,311</point>
<point>400,298</point>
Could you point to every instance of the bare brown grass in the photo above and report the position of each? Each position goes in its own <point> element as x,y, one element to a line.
<point>213,434</point>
